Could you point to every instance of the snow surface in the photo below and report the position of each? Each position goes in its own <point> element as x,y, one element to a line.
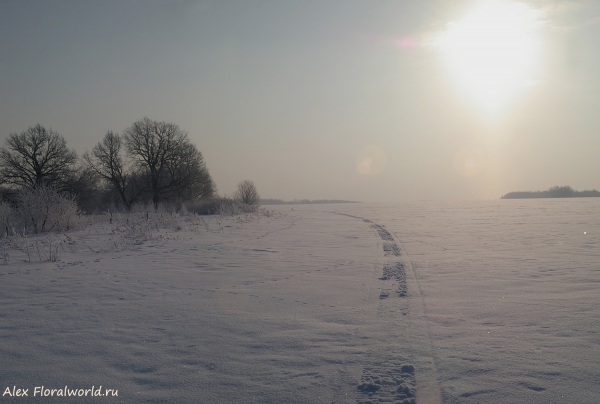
<point>454,302</point>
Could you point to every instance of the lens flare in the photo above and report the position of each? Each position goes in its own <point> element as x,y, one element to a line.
<point>406,42</point>
<point>371,161</point>
<point>469,161</point>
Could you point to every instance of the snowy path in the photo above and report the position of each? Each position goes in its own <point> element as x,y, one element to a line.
<point>416,337</point>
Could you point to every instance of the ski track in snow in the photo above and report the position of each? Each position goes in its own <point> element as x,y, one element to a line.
<point>395,271</point>
<point>380,382</point>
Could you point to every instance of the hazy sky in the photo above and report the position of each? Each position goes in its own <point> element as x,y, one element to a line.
<point>362,100</point>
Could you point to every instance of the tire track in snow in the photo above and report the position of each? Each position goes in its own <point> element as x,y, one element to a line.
<point>396,384</point>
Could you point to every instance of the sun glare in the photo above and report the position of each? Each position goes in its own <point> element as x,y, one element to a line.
<point>493,53</point>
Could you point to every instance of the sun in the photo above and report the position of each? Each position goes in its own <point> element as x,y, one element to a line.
<point>493,53</point>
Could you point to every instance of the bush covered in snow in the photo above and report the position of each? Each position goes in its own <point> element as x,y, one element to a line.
<point>38,210</point>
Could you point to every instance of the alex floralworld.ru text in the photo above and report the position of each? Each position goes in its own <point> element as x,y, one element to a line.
<point>64,392</point>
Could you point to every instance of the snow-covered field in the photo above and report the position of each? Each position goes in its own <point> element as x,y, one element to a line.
<point>454,302</point>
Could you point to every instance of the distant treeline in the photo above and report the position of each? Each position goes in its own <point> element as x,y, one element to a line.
<point>301,201</point>
<point>554,192</point>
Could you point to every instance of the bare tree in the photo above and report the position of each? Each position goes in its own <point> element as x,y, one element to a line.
<point>246,193</point>
<point>153,144</point>
<point>108,163</point>
<point>34,157</point>
<point>174,166</point>
<point>188,174</point>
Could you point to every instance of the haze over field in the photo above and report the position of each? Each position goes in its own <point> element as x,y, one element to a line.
<point>354,100</point>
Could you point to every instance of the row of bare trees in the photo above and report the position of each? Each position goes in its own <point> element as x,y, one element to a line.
<point>150,162</point>
<point>151,158</point>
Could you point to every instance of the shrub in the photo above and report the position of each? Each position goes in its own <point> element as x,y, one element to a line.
<point>43,209</point>
<point>247,194</point>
